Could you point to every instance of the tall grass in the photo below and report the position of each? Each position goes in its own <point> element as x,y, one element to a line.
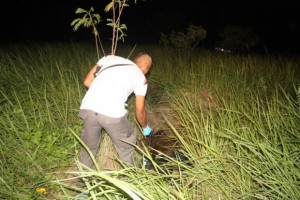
<point>40,95</point>
<point>238,119</point>
<point>245,150</point>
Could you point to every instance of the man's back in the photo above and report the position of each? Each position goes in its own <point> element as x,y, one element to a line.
<point>110,90</point>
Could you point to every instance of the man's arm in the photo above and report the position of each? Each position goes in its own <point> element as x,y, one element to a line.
<point>87,81</point>
<point>140,110</point>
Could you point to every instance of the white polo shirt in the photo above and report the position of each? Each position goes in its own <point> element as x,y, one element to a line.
<point>110,90</point>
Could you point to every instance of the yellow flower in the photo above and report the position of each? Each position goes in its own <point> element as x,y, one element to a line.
<point>41,190</point>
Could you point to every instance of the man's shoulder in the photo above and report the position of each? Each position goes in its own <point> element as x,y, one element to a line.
<point>117,59</point>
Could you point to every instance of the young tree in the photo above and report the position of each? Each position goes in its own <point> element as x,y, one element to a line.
<point>90,19</point>
<point>117,7</point>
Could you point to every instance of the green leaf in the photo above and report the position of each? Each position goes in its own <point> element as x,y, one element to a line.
<point>78,24</point>
<point>75,21</point>
<point>123,26</point>
<point>97,16</point>
<point>109,6</point>
<point>80,10</point>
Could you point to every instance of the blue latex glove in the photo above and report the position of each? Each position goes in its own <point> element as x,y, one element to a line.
<point>147,130</point>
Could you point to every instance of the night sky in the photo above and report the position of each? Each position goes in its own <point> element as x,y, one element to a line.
<point>275,22</point>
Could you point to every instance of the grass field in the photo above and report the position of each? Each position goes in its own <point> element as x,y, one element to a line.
<point>237,120</point>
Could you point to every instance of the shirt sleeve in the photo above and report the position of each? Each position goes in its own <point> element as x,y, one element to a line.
<point>142,89</point>
<point>101,61</point>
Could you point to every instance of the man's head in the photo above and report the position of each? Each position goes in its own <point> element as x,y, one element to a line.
<point>144,62</point>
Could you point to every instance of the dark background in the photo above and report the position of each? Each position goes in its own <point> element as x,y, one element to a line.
<point>275,22</point>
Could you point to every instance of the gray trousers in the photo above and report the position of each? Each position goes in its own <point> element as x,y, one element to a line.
<point>119,130</point>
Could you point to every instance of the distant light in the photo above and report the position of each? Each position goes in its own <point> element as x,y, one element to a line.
<point>222,50</point>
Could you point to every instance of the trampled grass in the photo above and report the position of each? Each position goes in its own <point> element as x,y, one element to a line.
<point>237,122</point>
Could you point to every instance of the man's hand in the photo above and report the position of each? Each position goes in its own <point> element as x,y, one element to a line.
<point>147,130</point>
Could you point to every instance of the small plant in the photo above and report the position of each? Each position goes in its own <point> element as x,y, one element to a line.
<point>117,7</point>
<point>187,41</point>
<point>91,19</point>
